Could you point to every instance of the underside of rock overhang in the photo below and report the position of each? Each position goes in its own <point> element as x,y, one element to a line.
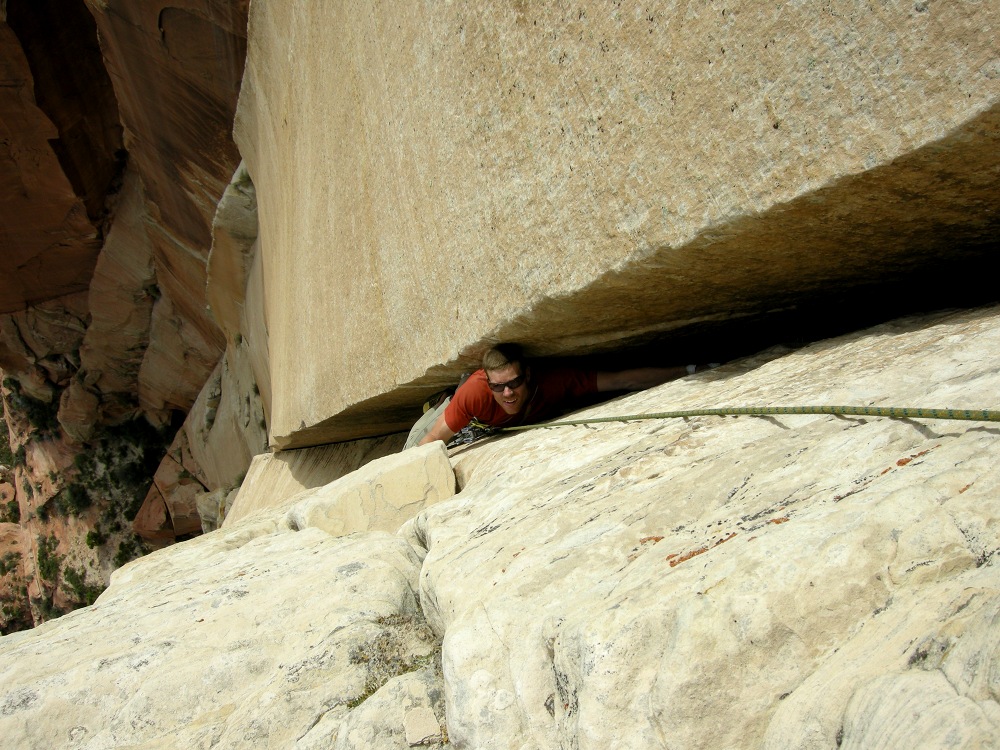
<point>916,234</point>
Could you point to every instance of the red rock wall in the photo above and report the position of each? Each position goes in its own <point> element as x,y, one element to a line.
<point>176,73</point>
<point>115,147</point>
<point>59,150</point>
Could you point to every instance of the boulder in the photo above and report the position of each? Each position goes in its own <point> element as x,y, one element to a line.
<point>791,580</point>
<point>381,496</point>
<point>274,478</point>
<point>784,581</point>
<point>213,507</point>
<point>79,412</point>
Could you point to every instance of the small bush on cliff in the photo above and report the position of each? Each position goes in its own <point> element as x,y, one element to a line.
<point>40,415</point>
<point>48,560</point>
<point>14,611</point>
<point>120,467</point>
<point>129,549</point>
<point>10,512</point>
<point>75,582</point>
<point>72,500</point>
<point>6,455</point>
<point>96,537</point>
<point>9,563</point>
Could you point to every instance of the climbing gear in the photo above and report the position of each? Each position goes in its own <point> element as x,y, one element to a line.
<point>472,432</point>
<point>894,412</point>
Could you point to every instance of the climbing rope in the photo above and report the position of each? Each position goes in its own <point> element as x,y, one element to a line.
<point>894,412</point>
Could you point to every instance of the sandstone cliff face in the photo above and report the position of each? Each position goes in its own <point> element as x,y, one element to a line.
<point>780,582</point>
<point>589,178</point>
<point>104,272</point>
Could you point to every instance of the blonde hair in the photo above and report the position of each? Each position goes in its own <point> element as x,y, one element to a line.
<point>502,355</point>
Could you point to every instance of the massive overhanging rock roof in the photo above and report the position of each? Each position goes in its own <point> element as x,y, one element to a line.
<point>585,179</point>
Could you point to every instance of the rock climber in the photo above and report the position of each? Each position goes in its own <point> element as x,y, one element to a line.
<point>510,391</point>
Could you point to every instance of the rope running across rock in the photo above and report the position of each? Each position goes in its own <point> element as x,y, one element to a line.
<point>893,412</point>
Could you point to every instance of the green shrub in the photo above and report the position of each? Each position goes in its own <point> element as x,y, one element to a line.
<point>48,560</point>
<point>128,549</point>
<point>14,612</point>
<point>40,415</point>
<point>75,581</point>
<point>9,563</point>
<point>6,455</point>
<point>46,609</point>
<point>73,499</point>
<point>95,538</point>
<point>10,512</point>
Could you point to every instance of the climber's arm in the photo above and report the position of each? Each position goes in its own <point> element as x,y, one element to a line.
<point>438,431</point>
<point>638,379</point>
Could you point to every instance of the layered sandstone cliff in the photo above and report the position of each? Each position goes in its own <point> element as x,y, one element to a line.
<point>116,147</point>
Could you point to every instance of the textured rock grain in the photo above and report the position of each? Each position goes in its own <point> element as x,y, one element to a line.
<point>222,645</point>
<point>719,582</point>
<point>800,581</point>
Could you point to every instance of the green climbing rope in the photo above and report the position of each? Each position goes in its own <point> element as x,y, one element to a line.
<point>895,412</point>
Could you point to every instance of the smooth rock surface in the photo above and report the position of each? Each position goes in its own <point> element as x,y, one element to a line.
<point>380,496</point>
<point>121,300</point>
<point>581,179</point>
<point>274,478</point>
<point>734,582</point>
<point>59,138</point>
<point>234,232</point>
<point>191,54</point>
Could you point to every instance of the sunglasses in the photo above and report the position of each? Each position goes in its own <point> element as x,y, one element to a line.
<point>512,384</point>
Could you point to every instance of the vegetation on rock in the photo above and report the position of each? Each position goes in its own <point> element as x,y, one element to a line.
<point>390,653</point>
<point>75,582</point>
<point>42,416</point>
<point>104,488</point>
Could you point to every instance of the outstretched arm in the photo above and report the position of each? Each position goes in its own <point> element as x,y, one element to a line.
<point>638,379</point>
<point>439,431</point>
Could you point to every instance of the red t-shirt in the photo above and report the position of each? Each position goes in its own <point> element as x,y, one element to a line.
<point>550,392</point>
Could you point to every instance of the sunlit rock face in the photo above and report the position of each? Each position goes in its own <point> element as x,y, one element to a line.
<point>791,581</point>
<point>589,178</point>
